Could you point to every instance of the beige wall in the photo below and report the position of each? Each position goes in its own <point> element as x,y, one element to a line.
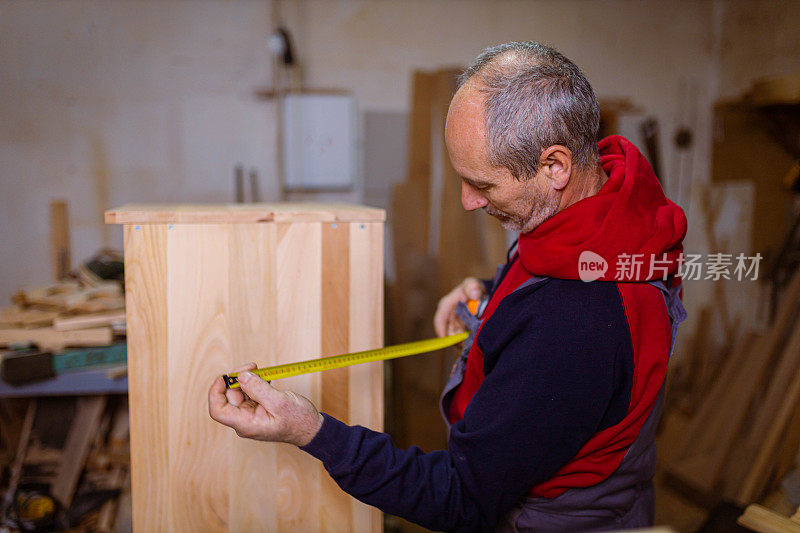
<point>759,38</point>
<point>114,101</point>
<point>107,102</point>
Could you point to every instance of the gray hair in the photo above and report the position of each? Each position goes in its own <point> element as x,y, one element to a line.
<point>535,98</point>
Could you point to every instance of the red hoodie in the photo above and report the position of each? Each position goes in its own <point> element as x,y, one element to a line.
<point>628,222</point>
<point>629,215</point>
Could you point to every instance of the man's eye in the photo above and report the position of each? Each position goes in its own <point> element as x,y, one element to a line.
<point>477,187</point>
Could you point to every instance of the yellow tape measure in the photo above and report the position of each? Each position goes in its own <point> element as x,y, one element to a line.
<point>350,359</point>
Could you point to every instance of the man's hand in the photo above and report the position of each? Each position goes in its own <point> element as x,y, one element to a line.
<point>445,321</point>
<point>261,412</point>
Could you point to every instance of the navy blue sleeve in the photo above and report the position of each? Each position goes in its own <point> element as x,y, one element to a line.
<point>556,359</point>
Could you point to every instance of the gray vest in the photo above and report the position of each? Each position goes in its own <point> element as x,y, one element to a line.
<point>622,501</point>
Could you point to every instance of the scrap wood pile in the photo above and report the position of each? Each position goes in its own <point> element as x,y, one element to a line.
<point>71,467</point>
<point>65,314</point>
<point>84,307</point>
<point>742,439</point>
<point>45,324</point>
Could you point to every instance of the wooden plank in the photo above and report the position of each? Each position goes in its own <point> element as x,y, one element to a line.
<point>706,443</point>
<point>775,394</point>
<point>773,429</point>
<point>754,384</point>
<point>89,321</point>
<point>413,233</point>
<point>366,321</point>
<point>414,291</point>
<point>70,300</point>
<point>198,343</point>
<point>15,317</point>
<point>15,471</point>
<point>148,376</point>
<point>59,240</point>
<point>419,152</point>
<point>700,461</point>
<point>299,291</point>
<point>105,518</point>
<point>253,333</point>
<point>336,316</point>
<point>459,251</point>
<point>366,332</point>
<point>99,305</point>
<point>82,432</point>
<point>763,520</point>
<point>410,237</point>
<point>241,213</point>
<point>50,339</point>
<point>335,510</point>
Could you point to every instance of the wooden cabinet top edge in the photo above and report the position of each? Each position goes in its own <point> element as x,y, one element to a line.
<point>242,213</point>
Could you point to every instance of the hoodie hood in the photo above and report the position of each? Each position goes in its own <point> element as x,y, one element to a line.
<point>628,231</point>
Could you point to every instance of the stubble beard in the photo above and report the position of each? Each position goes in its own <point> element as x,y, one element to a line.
<point>544,207</point>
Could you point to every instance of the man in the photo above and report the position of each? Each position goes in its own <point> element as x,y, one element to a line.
<point>552,407</point>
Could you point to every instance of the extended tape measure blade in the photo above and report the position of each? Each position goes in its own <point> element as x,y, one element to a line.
<point>349,359</point>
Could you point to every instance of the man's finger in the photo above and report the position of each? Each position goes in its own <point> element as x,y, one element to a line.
<point>258,389</point>
<point>455,326</point>
<point>235,396</point>
<point>440,324</point>
<point>443,313</point>
<point>216,397</point>
<point>473,288</point>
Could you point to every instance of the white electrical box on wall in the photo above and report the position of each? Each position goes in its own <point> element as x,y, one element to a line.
<point>319,141</point>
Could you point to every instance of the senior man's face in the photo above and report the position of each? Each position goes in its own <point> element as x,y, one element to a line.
<point>520,205</point>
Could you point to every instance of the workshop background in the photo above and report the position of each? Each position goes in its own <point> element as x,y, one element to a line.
<point>187,102</point>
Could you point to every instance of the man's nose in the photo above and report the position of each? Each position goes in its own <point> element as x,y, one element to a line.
<point>471,198</point>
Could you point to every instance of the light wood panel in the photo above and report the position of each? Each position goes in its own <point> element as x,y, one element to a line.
<point>146,308</point>
<point>366,331</point>
<point>198,345</point>
<point>335,316</point>
<point>253,476</point>
<point>203,298</point>
<point>299,324</point>
<point>241,213</point>
<point>335,506</point>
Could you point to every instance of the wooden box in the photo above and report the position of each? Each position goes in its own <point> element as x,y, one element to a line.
<point>211,287</point>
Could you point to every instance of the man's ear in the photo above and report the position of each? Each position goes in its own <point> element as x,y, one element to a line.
<point>556,163</point>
